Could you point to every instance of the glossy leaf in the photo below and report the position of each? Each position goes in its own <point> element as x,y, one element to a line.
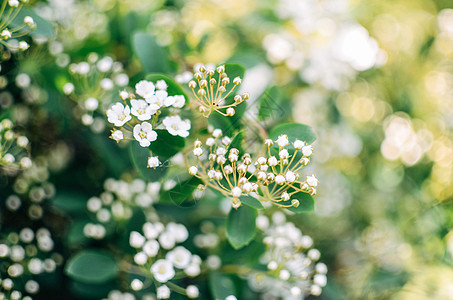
<point>294,131</point>
<point>181,192</point>
<point>92,266</point>
<point>152,57</point>
<point>166,144</point>
<point>43,27</point>
<point>221,285</point>
<point>252,202</point>
<point>139,156</point>
<point>241,227</point>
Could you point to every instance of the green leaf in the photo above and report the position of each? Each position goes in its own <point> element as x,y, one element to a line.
<point>236,141</point>
<point>181,192</point>
<point>240,226</point>
<point>43,28</point>
<point>70,202</point>
<point>252,202</point>
<point>152,57</point>
<point>306,203</point>
<point>139,157</point>
<point>173,87</point>
<point>92,266</point>
<point>294,131</point>
<point>270,104</point>
<point>166,144</point>
<point>221,285</point>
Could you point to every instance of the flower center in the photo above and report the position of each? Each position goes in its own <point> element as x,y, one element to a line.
<point>122,117</point>
<point>142,134</point>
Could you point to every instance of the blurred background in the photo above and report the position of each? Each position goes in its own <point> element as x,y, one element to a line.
<point>373,78</point>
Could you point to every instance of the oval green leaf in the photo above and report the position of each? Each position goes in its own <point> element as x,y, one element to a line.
<point>241,226</point>
<point>294,131</point>
<point>252,202</point>
<point>92,266</point>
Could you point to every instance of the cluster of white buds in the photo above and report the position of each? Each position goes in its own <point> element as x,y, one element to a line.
<point>161,259</point>
<point>14,149</point>
<point>92,86</point>
<point>293,270</point>
<point>24,255</point>
<point>139,120</point>
<point>8,31</point>
<point>274,178</point>
<point>210,91</point>
<point>116,203</point>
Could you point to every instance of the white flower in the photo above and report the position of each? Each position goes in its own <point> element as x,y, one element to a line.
<point>163,270</point>
<point>280,179</point>
<point>217,133</point>
<point>320,279</point>
<point>197,151</point>
<point>117,135</point>
<point>193,270</point>
<point>145,89</point>
<point>163,292</point>
<point>167,240</point>
<point>151,248</point>
<point>91,104</point>
<point>140,258</point>
<point>29,20</point>
<point>13,3</point>
<point>136,240</point>
<point>169,101</point>
<point>290,176</point>
<point>298,144</point>
<point>136,285</point>
<point>193,170</point>
<point>236,192</point>
<point>307,150</point>
<point>285,196</point>
<point>176,126</point>
<point>158,98</point>
<point>6,34</point>
<point>179,101</point>
<point>153,162</point>
<point>192,291</point>
<point>179,257</point>
<point>124,95</point>
<point>283,154</point>
<point>142,110</point>
<point>210,142</point>
<point>231,297</point>
<point>23,45</point>
<point>268,142</point>
<point>312,181</point>
<point>282,140</point>
<point>119,115</point>
<point>144,134</point>
<point>161,85</point>
<point>68,88</point>
<point>272,161</point>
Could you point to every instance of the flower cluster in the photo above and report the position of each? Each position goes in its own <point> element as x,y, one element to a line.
<point>160,258</point>
<point>116,203</point>
<point>272,178</point>
<point>24,255</point>
<point>8,31</point>
<point>142,118</point>
<point>13,149</point>
<point>212,92</point>
<point>292,269</point>
<point>91,86</point>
